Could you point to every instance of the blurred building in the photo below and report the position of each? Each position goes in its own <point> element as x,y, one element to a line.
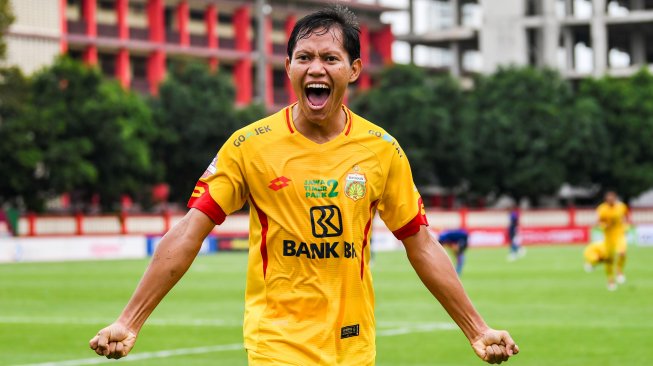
<point>135,40</point>
<point>578,37</point>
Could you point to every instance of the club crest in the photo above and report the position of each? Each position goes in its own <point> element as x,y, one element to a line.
<point>355,184</point>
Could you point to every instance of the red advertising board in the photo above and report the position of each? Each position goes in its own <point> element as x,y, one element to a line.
<point>574,235</point>
<point>491,237</point>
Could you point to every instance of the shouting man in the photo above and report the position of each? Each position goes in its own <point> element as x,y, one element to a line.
<point>314,174</point>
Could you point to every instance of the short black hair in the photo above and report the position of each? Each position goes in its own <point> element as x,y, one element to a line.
<point>320,22</point>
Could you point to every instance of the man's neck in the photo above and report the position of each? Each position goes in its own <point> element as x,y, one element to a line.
<point>319,132</point>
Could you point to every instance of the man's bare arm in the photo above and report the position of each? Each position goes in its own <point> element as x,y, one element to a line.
<point>432,265</point>
<point>172,258</point>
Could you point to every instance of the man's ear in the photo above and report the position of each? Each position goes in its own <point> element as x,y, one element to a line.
<point>288,67</point>
<point>356,68</point>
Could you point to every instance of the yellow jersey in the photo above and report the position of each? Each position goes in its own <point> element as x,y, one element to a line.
<point>613,220</point>
<point>309,297</point>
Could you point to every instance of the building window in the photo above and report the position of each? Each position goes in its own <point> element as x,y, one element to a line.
<point>138,8</point>
<point>224,18</point>
<point>533,43</point>
<point>107,64</point>
<point>106,4</point>
<point>533,7</point>
<point>139,67</point>
<point>197,15</point>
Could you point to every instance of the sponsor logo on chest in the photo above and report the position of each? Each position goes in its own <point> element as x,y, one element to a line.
<point>321,188</point>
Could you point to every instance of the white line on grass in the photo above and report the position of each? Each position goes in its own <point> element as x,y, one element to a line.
<point>427,327</point>
<point>95,321</point>
<point>145,355</point>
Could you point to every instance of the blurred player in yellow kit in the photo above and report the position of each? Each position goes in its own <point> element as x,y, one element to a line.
<point>597,253</point>
<point>612,216</point>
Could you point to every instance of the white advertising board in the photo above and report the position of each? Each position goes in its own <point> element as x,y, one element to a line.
<point>644,235</point>
<point>72,248</point>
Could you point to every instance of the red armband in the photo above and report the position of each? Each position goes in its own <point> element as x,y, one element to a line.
<point>201,199</point>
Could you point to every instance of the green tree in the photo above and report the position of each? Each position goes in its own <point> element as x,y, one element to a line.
<point>626,109</point>
<point>428,116</point>
<point>583,142</point>
<point>93,136</point>
<point>195,115</point>
<point>525,129</point>
<point>6,18</point>
<point>20,154</point>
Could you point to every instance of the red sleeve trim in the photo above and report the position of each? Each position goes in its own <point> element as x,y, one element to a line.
<point>201,199</point>
<point>413,226</point>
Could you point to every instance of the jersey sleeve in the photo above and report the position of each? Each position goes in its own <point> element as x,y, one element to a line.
<point>222,189</point>
<point>400,206</point>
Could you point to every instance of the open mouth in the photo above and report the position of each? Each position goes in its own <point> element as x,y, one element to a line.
<point>317,94</point>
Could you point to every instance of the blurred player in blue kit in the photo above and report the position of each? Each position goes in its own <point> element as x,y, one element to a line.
<point>516,251</point>
<point>456,241</point>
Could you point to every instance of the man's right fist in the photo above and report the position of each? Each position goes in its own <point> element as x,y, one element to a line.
<point>114,341</point>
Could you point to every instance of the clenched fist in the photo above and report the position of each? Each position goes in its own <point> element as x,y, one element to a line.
<point>114,341</point>
<point>495,346</point>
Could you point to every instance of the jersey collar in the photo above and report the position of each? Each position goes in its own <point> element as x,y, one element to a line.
<point>291,126</point>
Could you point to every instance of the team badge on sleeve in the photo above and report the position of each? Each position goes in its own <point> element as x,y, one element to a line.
<point>355,184</point>
<point>211,169</point>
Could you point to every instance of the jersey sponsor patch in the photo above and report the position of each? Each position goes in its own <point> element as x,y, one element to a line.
<point>355,186</point>
<point>278,183</point>
<point>258,131</point>
<point>211,169</point>
<point>388,139</point>
<point>320,250</point>
<point>326,221</point>
<point>349,331</point>
<point>321,188</point>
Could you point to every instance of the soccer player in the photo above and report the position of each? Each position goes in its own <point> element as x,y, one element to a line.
<point>594,254</point>
<point>516,250</point>
<point>457,241</point>
<point>612,216</point>
<point>314,174</point>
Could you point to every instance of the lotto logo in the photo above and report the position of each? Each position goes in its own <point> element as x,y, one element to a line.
<point>278,183</point>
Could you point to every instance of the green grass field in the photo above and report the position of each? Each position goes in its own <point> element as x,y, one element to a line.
<point>558,314</point>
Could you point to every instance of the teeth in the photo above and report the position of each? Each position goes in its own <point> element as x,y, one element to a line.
<point>317,86</point>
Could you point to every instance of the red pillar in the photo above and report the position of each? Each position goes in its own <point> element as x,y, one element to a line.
<point>572,216</point>
<point>88,14</point>
<point>123,67</point>
<point>31,224</point>
<point>79,224</point>
<point>123,222</point>
<point>122,9</point>
<point>243,67</point>
<point>290,24</point>
<point>382,43</point>
<point>364,81</point>
<point>182,21</point>
<point>211,22</point>
<point>63,22</point>
<point>166,221</point>
<point>463,217</point>
<point>156,63</point>
<point>269,88</point>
